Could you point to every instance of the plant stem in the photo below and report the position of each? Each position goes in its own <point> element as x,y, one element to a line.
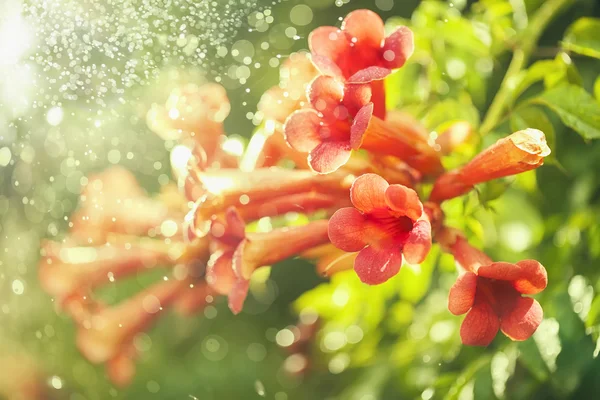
<point>525,46</point>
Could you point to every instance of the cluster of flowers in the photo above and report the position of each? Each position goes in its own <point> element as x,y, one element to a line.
<point>359,187</point>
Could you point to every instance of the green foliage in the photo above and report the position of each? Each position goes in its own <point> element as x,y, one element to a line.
<point>582,37</point>
<point>575,107</point>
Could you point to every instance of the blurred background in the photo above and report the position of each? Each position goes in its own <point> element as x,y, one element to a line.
<point>77,80</point>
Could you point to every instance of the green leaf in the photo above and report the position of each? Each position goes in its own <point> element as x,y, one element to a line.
<point>583,37</point>
<point>462,34</point>
<point>492,190</point>
<point>597,88</point>
<point>466,376</point>
<point>575,107</point>
<point>451,110</point>
<point>534,117</point>
<point>535,73</point>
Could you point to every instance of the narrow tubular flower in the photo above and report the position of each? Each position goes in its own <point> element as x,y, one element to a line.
<point>275,105</point>
<point>113,201</point>
<point>342,120</point>
<point>454,136</point>
<point>237,254</point>
<point>67,270</point>
<point>109,330</point>
<point>386,223</point>
<point>490,293</point>
<point>265,248</point>
<point>220,189</point>
<point>522,151</point>
<point>193,115</point>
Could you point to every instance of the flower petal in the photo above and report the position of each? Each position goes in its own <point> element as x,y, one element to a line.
<point>301,130</point>
<point>418,244</point>
<point>325,94</point>
<point>398,47</point>
<point>219,272</point>
<point>326,66</point>
<point>361,122</point>
<point>376,265</point>
<point>328,157</point>
<point>527,276</point>
<point>462,293</point>
<point>480,326</point>
<point>501,270</point>
<point>520,322</point>
<point>346,229</point>
<point>370,74</point>
<point>329,42</point>
<point>404,200</point>
<point>238,295</point>
<point>356,96</point>
<point>367,192</point>
<point>366,26</point>
<point>534,277</point>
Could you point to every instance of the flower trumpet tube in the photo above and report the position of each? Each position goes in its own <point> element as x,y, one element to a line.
<point>342,120</point>
<point>220,189</point>
<point>455,135</point>
<point>66,270</point>
<point>386,223</point>
<point>381,137</point>
<point>192,115</point>
<point>111,328</point>
<point>491,294</point>
<point>522,151</point>
<point>237,254</point>
<point>113,201</point>
<point>266,248</point>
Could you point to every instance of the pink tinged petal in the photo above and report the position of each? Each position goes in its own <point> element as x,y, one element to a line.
<point>347,229</point>
<point>376,265</point>
<point>366,26</point>
<point>301,130</point>
<point>238,295</point>
<point>521,321</point>
<point>356,96</point>
<point>398,48</point>
<point>236,227</point>
<point>326,66</point>
<point>480,326</point>
<point>534,277</point>
<point>360,125</point>
<point>329,42</point>
<point>527,277</point>
<point>404,200</point>
<point>328,157</point>
<point>370,74</point>
<point>219,272</point>
<point>418,244</point>
<point>462,293</point>
<point>367,192</point>
<point>325,94</point>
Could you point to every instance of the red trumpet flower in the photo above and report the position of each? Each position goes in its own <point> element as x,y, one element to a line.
<point>522,151</point>
<point>343,120</point>
<point>491,295</point>
<point>387,222</point>
<point>237,254</point>
<point>361,43</point>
